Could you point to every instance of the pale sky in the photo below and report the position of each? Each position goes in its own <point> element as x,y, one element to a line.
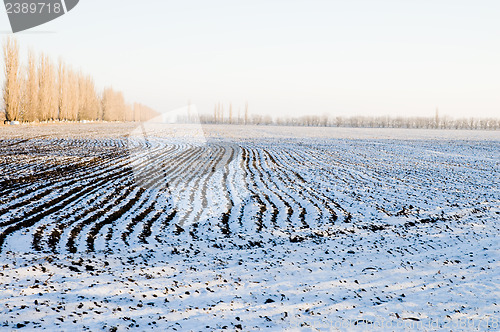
<point>349,57</point>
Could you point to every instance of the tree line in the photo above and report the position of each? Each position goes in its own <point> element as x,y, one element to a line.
<point>416,122</point>
<point>219,116</point>
<point>42,91</point>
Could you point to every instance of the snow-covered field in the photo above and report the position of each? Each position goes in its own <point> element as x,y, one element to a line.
<point>170,227</point>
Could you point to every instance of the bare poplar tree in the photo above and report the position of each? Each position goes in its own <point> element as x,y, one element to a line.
<point>89,107</point>
<point>12,84</point>
<point>246,112</point>
<point>45,90</point>
<point>221,113</point>
<point>129,112</point>
<point>53,99</point>
<point>73,95</point>
<point>82,100</point>
<point>144,113</point>
<point>63,91</point>
<point>31,88</point>
<point>114,107</point>
<point>119,106</point>
<point>137,113</point>
<point>107,104</point>
<point>92,100</point>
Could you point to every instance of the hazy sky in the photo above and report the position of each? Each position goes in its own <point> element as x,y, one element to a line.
<point>348,57</point>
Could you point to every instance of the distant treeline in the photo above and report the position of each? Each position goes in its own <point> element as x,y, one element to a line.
<point>42,91</point>
<point>433,122</point>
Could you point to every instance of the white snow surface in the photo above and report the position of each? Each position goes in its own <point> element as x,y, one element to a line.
<point>250,228</point>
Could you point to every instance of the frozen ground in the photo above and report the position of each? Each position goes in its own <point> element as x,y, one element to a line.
<point>113,227</point>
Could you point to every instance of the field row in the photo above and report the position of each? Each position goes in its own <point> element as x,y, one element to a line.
<point>110,194</point>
